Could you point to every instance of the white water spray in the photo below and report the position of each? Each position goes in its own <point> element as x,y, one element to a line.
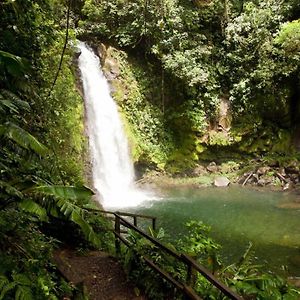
<point>113,174</point>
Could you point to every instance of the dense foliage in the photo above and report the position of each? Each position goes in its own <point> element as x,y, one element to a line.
<point>179,62</point>
<point>244,277</point>
<point>41,169</point>
<point>244,54</point>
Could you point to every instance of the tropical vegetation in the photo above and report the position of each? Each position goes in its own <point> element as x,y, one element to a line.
<point>178,63</point>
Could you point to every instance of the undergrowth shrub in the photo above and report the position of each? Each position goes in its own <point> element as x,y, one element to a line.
<point>244,277</point>
<point>26,270</point>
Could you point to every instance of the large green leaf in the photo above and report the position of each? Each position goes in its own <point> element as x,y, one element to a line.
<point>33,207</point>
<point>15,65</point>
<point>12,101</point>
<point>22,138</point>
<point>10,190</point>
<point>65,192</point>
<point>71,211</point>
<point>75,214</point>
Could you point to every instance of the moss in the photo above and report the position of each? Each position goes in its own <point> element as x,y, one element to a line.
<point>219,138</point>
<point>283,144</point>
<point>137,91</point>
<point>181,160</point>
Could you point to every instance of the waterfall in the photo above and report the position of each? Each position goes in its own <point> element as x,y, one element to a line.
<point>112,168</point>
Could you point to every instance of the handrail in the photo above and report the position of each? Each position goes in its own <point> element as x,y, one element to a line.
<point>120,213</point>
<point>126,214</point>
<point>150,238</point>
<point>191,264</point>
<point>210,277</point>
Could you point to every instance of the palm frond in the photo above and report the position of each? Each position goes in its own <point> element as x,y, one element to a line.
<point>22,137</point>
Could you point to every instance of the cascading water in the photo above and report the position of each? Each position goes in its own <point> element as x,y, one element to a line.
<point>113,174</point>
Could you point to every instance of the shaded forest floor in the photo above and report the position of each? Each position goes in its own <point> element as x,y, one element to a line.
<point>101,275</point>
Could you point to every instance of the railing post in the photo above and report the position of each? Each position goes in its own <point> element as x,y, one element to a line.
<point>154,224</point>
<point>189,274</point>
<point>189,279</point>
<point>118,232</point>
<point>135,220</point>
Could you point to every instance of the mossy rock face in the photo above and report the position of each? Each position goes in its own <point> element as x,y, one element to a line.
<point>181,161</point>
<point>175,138</point>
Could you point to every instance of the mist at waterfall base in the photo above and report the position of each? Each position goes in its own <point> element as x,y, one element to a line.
<point>112,168</point>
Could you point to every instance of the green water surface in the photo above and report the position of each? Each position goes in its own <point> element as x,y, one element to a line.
<point>237,216</point>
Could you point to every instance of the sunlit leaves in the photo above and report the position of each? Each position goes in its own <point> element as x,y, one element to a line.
<point>289,37</point>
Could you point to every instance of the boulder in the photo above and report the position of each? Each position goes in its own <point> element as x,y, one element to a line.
<point>263,170</point>
<point>261,182</point>
<point>199,171</point>
<point>221,181</point>
<point>212,167</point>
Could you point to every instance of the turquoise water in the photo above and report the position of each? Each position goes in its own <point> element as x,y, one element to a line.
<point>237,216</point>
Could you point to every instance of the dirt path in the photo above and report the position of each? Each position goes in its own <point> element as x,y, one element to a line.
<point>101,274</point>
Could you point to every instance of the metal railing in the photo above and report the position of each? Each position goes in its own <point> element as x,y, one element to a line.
<point>192,266</point>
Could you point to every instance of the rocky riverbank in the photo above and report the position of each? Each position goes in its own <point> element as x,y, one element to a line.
<point>252,173</point>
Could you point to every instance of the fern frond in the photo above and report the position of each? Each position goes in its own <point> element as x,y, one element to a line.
<point>21,279</point>
<point>23,293</point>
<point>22,138</point>
<point>3,282</point>
<point>9,286</point>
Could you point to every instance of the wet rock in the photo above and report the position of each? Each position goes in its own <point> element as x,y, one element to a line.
<point>102,52</point>
<point>255,177</point>
<point>282,171</point>
<point>112,68</point>
<point>294,178</point>
<point>263,170</point>
<point>261,182</point>
<point>199,171</point>
<point>295,281</point>
<point>265,180</point>
<point>77,52</point>
<point>221,181</point>
<point>287,186</point>
<point>212,167</point>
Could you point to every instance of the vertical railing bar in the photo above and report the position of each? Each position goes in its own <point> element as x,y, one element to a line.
<point>189,273</point>
<point>154,224</point>
<point>118,232</point>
